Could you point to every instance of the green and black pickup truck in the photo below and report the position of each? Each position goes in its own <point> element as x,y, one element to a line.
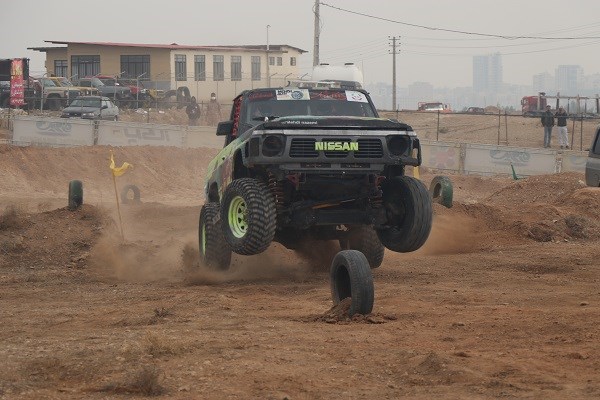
<point>312,163</point>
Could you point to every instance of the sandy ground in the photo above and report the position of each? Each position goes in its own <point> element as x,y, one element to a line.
<point>502,301</point>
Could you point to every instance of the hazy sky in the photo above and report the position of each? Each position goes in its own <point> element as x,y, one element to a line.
<point>437,56</point>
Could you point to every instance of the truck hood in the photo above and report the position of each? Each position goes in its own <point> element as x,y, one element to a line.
<point>81,110</point>
<point>334,122</point>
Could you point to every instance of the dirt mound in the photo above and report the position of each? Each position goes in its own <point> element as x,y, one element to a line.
<point>338,314</point>
<point>57,239</point>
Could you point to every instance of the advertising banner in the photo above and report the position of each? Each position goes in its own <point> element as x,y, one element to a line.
<point>17,91</point>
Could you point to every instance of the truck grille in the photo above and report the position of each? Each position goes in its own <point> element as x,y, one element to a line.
<point>305,148</point>
<point>369,148</point>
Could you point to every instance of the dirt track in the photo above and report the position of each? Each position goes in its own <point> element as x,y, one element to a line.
<point>503,300</point>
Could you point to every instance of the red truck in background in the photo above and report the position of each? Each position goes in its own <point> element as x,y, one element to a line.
<point>533,106</point>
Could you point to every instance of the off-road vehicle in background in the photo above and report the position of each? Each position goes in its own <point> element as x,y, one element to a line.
<point>307,163</point>
<point>109,87</point>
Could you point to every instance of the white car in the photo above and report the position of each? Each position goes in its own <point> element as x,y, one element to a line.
<point>92,107</point>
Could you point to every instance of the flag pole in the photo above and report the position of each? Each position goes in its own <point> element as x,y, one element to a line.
<point>118,207</point>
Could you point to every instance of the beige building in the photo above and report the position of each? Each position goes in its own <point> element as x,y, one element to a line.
<point>224,70</point>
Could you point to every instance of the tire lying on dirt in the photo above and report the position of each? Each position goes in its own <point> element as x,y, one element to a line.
<point>409,213</point>
<point>214,251</point>
<point>365,239</point>
<point>125,194</point>
<point>249,216</point>
<point>351,276</point>
<point>75,194</point>
<point>441,190</point>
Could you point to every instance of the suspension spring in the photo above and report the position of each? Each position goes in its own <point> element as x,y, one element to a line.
<point>276,189</point>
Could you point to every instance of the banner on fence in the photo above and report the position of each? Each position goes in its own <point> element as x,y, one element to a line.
<point>53,131</point>
<point>132,134</point>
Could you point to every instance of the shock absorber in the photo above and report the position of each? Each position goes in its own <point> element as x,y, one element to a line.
<point>276,189</point>
<point>377,201</point>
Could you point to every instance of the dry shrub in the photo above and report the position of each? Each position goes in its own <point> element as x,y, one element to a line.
<point>146,381</point>
<point>11,218</point>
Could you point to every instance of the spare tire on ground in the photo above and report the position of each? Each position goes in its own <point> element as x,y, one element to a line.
<point>441,190</point>
<point>350,276</point>
<point>134,197</point>
<point>75,194</point>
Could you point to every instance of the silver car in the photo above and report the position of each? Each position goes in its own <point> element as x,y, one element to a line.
<point>592,167</point>
<point>92,107</point>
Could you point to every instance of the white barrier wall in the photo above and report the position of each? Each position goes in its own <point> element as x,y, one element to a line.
<point>491,159</point>
<point>453,157</point>
<point>139,134</point>
<point>53,131</point>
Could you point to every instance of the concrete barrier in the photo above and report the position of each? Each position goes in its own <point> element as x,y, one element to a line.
<point>52,131</point>
<point>139,134</point>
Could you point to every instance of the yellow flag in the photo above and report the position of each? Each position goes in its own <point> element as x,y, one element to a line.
<point>118,171</point>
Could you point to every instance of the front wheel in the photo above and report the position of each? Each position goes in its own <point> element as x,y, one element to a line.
<point>214,251</point>
<point>407,203</point>
<point>249,216</point>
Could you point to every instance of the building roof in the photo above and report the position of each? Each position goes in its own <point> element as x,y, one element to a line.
<point>172,46</point>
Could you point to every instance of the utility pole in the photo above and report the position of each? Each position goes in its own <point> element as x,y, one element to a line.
<point>268,59</point>
<point>317,33</point>
<point>394,52</point>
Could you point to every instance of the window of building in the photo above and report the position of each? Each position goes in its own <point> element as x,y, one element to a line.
<point>136,65</point>
<point>271,60</point>
<point>60,68</point>
<point>180,67</point>
<point>256,68</point>
<point>85,66</point>
<point>218,68</point>
<point>280,61</point>
<point>200,68</point>
<point>236,68</point>
<point>292,61</point>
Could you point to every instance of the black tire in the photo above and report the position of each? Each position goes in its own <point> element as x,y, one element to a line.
<point>249,216</point>
<point>125,194</point>
<point>54,103</point>
<point>409,213</point>
<point>441,190</point>
<point>364,239</point>
<point>75,194</point>
<point>351,276</point>
<point>214,251</point>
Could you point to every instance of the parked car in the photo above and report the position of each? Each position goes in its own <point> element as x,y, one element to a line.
<point>61,81</point>
<point>475,110</point>
<point>592,167</point>
<point>55,97</point>
<point>109,87</point>
<point>92,107</point>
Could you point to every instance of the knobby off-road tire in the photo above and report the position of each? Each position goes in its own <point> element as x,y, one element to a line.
<point>125,194</point>
<point>214,250</point>
<point>75,195</point>
<point>408,207</point>
<point>351,276</point>
<point>249,216</point>
<point>441,190</point>
<point>365,239</point>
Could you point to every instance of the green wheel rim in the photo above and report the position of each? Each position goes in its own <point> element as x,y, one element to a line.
<point>238,213</point>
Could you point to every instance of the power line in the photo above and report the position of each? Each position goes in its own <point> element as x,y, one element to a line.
<point>431,28</point>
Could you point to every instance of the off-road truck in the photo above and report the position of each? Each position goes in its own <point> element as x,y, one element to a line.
<point>319,164</point>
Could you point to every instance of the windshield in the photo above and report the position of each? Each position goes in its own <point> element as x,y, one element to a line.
<point>86,102</point>
<point>47,82</point>
<point>64,81</point>
<point>317,103</point>
<point>109,82</point>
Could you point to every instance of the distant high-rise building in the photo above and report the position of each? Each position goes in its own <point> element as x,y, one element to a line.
<point>569,78</point>
<point>544,82</point>
<point>487,73</point>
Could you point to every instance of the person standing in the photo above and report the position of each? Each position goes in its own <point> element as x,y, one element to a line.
<point>561,122</point>
<point>193,112</point>
<point>547,123</point>
<point>213,111</point>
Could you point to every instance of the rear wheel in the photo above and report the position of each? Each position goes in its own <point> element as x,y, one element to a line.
<point>351,276</point>
<point>54,103</point>
<point>249,216</point>
<point>409,214</point>
<point>365,240</point>
<point>214,251</point>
